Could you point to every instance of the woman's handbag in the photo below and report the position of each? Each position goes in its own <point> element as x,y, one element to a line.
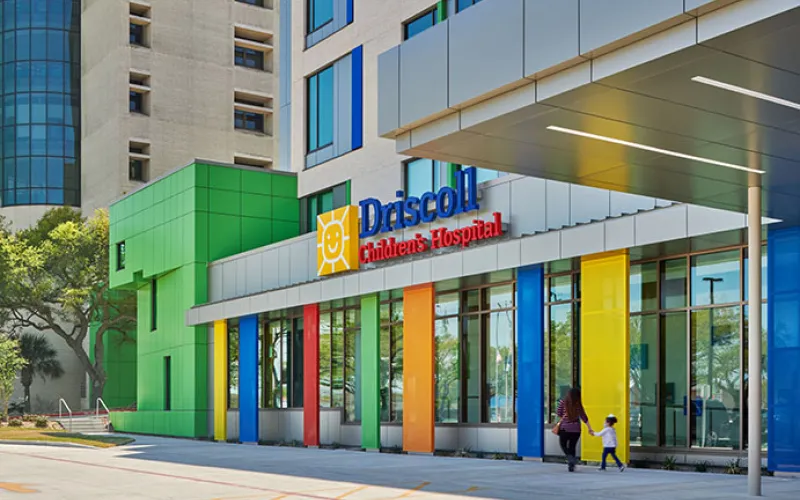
<point>557,428</point>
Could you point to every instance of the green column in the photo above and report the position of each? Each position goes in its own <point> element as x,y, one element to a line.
<point>452,168</point>
<point>441,10</point>
<point>370,372</point>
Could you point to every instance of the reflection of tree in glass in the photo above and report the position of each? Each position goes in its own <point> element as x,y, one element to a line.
<point>561,352</point>
<point>447,373</point>
<point>233,373</point>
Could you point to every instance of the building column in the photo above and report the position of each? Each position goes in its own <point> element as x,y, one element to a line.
<point>605,348</point>
<point>530,364</point>
<point>311,375</point>
<point>418,369</point>
<point>783,349</point>
<point>370,372</point>
<point>248,379</point>
<point>754,337</point>
<point>220,380</point>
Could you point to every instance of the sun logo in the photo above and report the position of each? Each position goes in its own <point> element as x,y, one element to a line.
<point>337,241</point>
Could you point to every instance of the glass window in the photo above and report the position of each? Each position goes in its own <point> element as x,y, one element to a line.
<point>39,44</point>
<point>120,255</point>
<point>23,45</point>
<point>560,334</point>
<point>320,13</point>
<point>644,287</point>
<point>320,203</point>
<point>391,360</point>
<point>472,365</point>
<point>485,174</point>
<point>39,13</point>
<point>448,374</point>
<point>644,380</point>
<point>246,120</point>
<point>674,373</point>
<point>673,283</point>
<point>422,176</point>
<point>320,110</point>
<point>325,361</point>
<point>136,35</point>
<point>136,170</point>
<point>258,3</point>
<point>249,58</point>
<point>420,23</point>
<point>39,140</point>
<point>136,102</point>
<point>499,356</point>
<point>716,278</point>
<point>233,365</point>
<point>463,4</point>
<point>39,108</point>
<point>153,305</point>
<point>716,378</point>
<point>352,368</point>
<point>763,378</point>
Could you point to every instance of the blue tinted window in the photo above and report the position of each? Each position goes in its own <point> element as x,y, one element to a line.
<point>23,108</point>
<point>39,44</point>
<point>422,176</point>
<point>485,174</point>
<point>463,4</point>
<point>249,58</point>
<point>39,13</point>
<point>420,24</point>
<point>40,86</point>
<point>9,46</point>
<point>24,14</point>
<point>39,173</point>
<point>23,45</point>
<point>320,13</point>
<point>246,120</point>
<point>320,109</point>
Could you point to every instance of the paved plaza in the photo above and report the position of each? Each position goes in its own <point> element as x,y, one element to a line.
<point>173,468</point>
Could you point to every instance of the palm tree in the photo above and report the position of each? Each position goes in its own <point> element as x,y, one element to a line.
<point>42,360</point>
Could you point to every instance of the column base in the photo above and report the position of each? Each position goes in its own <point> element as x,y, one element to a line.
<point>372,450</point>
<point>420,453</point>
<point>532,459</point>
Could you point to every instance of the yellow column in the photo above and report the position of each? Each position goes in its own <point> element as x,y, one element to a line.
<point>220,380</point>
<point>605,348</point>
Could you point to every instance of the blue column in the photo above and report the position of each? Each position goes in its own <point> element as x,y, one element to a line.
<point>248,379</point>
<point>530,355</point>
<point>783,349</point>
<point>357,67</point>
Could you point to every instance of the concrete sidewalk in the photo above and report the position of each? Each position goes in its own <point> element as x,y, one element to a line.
<point>173,468</point>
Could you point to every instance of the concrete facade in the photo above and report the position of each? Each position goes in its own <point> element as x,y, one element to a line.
<point>189,81</point>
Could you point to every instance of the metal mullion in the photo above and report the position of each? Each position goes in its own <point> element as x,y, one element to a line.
<point>742,343</point>
<point>660,421</point>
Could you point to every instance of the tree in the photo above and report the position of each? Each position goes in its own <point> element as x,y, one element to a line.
<point>11,362</point>
<point>56,281</point>
<point>42,360</point>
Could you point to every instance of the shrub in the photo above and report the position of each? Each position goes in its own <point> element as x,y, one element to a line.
<point>701,466</point>
<point>734,467</point>
<point>42,422</point>
<point>15,422</point>
<point>670,463</point>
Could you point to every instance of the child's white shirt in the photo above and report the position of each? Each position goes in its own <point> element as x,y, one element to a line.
<point>609,436</point>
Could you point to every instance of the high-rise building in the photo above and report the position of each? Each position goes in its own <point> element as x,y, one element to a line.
<point>101,97</point>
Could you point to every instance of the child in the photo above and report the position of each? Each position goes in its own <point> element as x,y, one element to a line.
<point>609,435</point>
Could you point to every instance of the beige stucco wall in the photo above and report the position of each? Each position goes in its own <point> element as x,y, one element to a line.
<point>192,80</point>
<point>375,169</point>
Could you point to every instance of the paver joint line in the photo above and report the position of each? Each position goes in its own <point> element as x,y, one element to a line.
<point>173,476</point>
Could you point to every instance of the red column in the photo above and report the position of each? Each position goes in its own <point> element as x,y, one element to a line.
<point>311,375</point>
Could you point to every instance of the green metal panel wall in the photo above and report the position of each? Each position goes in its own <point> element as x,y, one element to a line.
<point>172,229</point>
<point>370,373</point>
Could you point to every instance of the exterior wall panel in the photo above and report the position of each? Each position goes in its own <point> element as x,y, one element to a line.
<point>423,74</point>
<point>551,33</point>
<point>488,32</point>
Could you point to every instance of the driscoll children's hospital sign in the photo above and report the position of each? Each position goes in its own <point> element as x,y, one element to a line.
<point>338,246</point>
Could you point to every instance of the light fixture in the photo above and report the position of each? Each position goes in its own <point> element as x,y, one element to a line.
<point>747,92</point>
<point>654,150</point>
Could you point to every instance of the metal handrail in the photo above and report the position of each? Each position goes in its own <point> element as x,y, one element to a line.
<point>60,402</point>
<point>97,407</point>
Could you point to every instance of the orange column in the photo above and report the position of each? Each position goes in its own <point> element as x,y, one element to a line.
<point>418,366</point>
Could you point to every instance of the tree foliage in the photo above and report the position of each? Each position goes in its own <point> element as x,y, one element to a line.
<point>11,362</point>
<point>56,281</point>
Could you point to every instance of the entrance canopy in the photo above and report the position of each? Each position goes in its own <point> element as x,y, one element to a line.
<point>688,103</point>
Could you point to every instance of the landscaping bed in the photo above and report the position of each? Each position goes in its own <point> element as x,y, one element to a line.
<point>33,428</point>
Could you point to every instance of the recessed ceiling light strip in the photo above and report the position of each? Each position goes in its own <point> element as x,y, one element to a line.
<point>747,92</point>
<point>653,149</point>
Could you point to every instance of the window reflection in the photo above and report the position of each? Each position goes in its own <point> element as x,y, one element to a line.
<point>41,50</point>
<point>716,278</point>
